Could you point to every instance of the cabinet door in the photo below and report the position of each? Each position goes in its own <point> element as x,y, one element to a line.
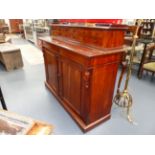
<point>71,83</point>
<point>51,63</point>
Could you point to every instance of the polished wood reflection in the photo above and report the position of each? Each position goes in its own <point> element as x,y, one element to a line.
<point>81,65</point>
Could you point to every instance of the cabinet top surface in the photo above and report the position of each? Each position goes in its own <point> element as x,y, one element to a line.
<point>80,48</point>
<point>100,26</point>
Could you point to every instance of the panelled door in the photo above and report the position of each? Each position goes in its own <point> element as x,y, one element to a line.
<point>51,67</point>
<point>71,83</point>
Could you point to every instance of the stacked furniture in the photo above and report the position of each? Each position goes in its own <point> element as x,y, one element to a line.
<point>2,38</point>
<point>81,64</point>
<point>148,29</point>
<point>4,28</point>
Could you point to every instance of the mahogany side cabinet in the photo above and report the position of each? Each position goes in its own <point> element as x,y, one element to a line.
<point>81,64</point>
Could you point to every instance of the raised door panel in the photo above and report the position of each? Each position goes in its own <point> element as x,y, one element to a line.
<point>71,84</point>
<point>51,66</point>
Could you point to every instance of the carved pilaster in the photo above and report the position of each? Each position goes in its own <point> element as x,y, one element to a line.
<point>86,79</point>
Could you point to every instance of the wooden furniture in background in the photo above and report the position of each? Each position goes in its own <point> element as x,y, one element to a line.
<point>2,38</point>
<point>148,29</point>
<point>81,64</point>
<point>15,25</point>
<point>4,29</point>
<point>146,43</point>
<point>148,63</point>
<point>10,56</point>
<point>147,35</point>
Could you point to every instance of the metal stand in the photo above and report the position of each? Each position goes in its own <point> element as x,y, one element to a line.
<point>124,99</point>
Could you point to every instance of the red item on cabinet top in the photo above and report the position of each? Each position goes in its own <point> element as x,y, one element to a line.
<point>110,21</point>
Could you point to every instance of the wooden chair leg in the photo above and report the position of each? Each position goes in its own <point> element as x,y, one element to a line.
<point>2,100</point>
<point>140,70</point>
<point>140,73</point>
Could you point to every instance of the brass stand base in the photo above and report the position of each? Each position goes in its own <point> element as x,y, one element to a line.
<point>124,100</point>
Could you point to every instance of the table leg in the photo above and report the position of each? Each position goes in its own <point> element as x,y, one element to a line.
<point>2,100</point>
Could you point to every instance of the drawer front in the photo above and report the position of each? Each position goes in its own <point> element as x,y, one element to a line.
<point>50,46</point>
<point>74,57</point>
